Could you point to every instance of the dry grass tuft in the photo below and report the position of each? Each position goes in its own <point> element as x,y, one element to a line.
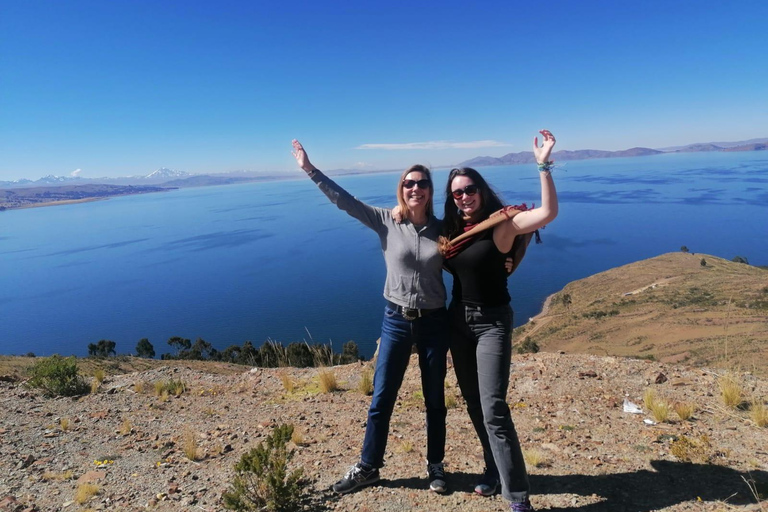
<point>684,410</point>
<point>189,446</point>
<point>366,382</point>
<point>450,401</point>
<point>649,397</point>
<point>660,410</point>
<point>327,381</point>
<point>126,428</point>
<point>298,438</point>
<point>64,424</point>
<point>139,387</point>
<point>85,492</point>
<point>288,383</point>
<point>405,446</point>
<point>759,413</point>
<point>58,477</point>
<point>99,374</point>
<point>535,458</point>
<point>731,391</point>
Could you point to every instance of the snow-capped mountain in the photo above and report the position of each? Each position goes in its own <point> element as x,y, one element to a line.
<point>165,173</point>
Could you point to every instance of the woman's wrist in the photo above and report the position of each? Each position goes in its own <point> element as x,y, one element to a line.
<point>545,167</point>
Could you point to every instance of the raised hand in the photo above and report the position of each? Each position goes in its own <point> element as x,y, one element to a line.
<point>301,157</point>
<point>542,153</point>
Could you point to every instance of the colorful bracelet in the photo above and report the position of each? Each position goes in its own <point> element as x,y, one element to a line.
<point>546,166</point>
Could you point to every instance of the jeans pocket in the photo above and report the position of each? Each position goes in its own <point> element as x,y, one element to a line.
<point>389,313</point>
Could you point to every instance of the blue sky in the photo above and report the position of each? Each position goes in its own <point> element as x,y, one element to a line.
<point>119,87</point>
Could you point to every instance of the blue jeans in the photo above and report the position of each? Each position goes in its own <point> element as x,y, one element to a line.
<point>482,352</point>
<point>398,335</point>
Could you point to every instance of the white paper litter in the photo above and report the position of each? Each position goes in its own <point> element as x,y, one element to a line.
<point>631,408</point>
<point>649,421</point>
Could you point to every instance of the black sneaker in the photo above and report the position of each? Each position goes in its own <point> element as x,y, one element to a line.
<point>436,474</point>
<point>487,485</point>
<point>357,476</point>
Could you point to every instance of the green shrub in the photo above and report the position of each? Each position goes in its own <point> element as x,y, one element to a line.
<point>57,376</point>
<point>528,345</point>
<point>263,481</point>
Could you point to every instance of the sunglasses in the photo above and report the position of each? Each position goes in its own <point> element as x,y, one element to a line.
<point>470,190</point>
<point>422,184</point>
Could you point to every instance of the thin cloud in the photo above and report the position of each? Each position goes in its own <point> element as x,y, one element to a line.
<point>76,173</point>
<point>436,144</point>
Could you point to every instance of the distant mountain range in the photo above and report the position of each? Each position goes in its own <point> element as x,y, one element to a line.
<point>526,157</point>
<point>165,177</point>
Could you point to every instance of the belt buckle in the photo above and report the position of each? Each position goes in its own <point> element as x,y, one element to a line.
<point>410,314</point>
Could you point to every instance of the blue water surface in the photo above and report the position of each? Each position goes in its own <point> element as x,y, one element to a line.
<point>276,260</point>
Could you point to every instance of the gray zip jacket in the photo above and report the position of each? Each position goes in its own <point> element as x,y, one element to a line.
<point>414,265</point>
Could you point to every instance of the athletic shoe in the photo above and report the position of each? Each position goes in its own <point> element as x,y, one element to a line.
<point>357,476</point>
<point>524,506</point>
<point>487,485</point>
<point>436,474</point>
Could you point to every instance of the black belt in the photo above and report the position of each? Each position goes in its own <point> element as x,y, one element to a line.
<point>411,313</point>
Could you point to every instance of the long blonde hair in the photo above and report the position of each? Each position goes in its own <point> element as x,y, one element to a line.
<point>401,202</point>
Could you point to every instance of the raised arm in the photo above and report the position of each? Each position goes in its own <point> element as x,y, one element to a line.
<point>370,216</point>
<point>531,220</point>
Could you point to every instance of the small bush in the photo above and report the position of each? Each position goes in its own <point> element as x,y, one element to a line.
<point>534,458</point>
<point>450,401</point>
<point>190,446</point>
<point>288,383</point>
<point>366,382</point>
<point>759,413</point>
<point>405,446</point>
<point>126,428</point>
<point>57,376</point>
<point>327,381</point>
<point>85,492</point>
<point>731,392</point>
<point>528,346</point>
<point>263,481</point>
<point>684,410</point>
<point>99,374</point>
<point>649,397</point>
<point>692,450</point>
<point>660,410</point>
<point>169,387</point>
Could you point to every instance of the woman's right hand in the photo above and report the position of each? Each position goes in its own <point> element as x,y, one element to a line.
<point>301,157</point>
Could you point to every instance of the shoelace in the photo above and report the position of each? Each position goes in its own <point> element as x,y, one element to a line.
<point>437,470</point>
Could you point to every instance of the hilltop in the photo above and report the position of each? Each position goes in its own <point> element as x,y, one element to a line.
<point>669,308</point>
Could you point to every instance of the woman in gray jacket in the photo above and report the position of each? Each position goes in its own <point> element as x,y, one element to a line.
<point>415,313</point>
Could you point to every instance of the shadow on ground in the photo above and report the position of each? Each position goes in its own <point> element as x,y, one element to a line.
<point>667,484</point>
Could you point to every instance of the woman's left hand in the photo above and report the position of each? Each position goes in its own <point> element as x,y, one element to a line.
<point>542,153</point>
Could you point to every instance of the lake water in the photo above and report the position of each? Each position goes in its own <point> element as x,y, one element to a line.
<point>277,260</point>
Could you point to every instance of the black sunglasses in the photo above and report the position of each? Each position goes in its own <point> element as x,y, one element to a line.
<point>470,190</point>
<point>422,184</point>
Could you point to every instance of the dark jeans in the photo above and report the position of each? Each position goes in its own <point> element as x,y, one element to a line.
<point>430,335</point>
<point>482,351</point>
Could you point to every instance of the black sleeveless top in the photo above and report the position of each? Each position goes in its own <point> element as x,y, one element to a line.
<point>479,276</point>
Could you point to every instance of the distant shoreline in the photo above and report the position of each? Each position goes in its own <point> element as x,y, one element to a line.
<point>57,203</point>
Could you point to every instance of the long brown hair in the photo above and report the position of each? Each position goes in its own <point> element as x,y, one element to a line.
<point>453,221</point>
<point>401,202</point>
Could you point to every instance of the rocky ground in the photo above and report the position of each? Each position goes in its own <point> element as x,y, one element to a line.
<point>590,455</point>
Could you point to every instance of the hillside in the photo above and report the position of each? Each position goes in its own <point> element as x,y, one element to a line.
<point>584,452</point>
<point>669,308</point>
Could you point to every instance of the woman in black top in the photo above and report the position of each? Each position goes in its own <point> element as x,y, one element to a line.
<point>481,317</point>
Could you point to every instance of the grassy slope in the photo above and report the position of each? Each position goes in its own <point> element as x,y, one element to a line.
<point>670,308</point>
